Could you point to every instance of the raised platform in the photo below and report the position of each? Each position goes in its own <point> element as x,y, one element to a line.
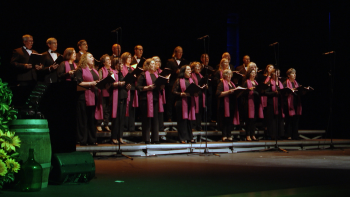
<point>213,147</point>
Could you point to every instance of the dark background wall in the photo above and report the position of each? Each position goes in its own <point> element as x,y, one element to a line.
<point>302,29</point>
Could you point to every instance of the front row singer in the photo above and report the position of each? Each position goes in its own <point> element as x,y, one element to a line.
<point>151,101</point>
<point>227,106</point>
<point>89,101</point>
<point>252,104</point>
<point>119,98</point>
<point>185,105</point>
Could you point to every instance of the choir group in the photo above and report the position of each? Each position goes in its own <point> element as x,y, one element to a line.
<point>179,91</point>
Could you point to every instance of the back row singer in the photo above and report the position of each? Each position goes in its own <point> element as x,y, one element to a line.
<point>123,102</point>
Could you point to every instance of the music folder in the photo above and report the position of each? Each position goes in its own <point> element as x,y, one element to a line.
<point>203,81</point>
<point>193,88</point>
<point>107,80</point>
<point>208,71</point>
<point>303,90</point>
<point>286,91</point>
<point>161,80</point>
<point>36,59</point>
<point>261,87</point>
<point>236,75</point>
<point>131,77</point>
<point>239,91</point>
<point>165,72</point>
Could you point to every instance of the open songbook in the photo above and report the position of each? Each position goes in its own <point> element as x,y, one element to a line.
<point>193,88</point>
<point>131,77</point>
<point>238,91</point>
<point>36,59</point>
<point>107,80</point>
<point>161,80</point>
<point>166,72</point>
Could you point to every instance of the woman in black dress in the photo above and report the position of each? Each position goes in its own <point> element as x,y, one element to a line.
<point>185,105</point>
<point>293,105</point>
<point>89,106</point>
<point>151,101</point>
<point>103,73</point>
<point>252,104</point>
<point>274,110</point>
<point>118,97</point>
<point>161,114</point>
<point>67,68</point>
<point>132,100</point>
<point>200,99</point>
<point>227,106</point>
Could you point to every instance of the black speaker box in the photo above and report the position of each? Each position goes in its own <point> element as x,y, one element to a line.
<point>75,167</point>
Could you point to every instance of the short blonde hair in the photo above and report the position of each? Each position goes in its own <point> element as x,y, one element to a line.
<point>193,64</point>
<point>146,64</point>
<point>290,71</point>
<point>83,61</point>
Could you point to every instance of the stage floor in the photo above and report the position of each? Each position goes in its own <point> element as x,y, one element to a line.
<point>263,174</point>
<point>141,149</point>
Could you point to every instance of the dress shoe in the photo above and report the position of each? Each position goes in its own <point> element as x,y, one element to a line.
<point>193,141</point>
<point>121,141</point>
<point>254,139</point>
<point>224,139</point>
<point>183,142</point>
<point>99,128</point>
<point>115,141</point>
<point>83,144</point>
<point>107,129</point>
<point>248,138</point>
<point>156,142</point>
<point>93,144</point>
<point>147,142</point>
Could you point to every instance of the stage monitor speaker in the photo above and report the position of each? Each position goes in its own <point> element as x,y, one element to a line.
<point>75,167</point>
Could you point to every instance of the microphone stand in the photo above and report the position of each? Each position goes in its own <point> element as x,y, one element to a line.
<point>206,150</point>
<point>331,78</point>
<point>276,148</point>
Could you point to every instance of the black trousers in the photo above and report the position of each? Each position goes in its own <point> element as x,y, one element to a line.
<point>161,121</point>
<point>129,123</point>
<point>274,123</point>
<point>197,123</point>
<point>118,122</point>
<point>150,124</point>
<point>107,108</point>
<point>250,126</point>
<point>292,126</point>
<point>227,126</point>
<point>86,130</point>
<point>170,101</point>
<point>184,127</point>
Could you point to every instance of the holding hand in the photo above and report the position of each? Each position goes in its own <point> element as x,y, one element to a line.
<point>128,87</point>
<point>28,66</point>
<point>39,67</point>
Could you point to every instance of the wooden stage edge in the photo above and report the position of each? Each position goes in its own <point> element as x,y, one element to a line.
<point>141,149</point>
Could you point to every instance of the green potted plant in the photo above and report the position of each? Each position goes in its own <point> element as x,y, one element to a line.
<point>8,141</point>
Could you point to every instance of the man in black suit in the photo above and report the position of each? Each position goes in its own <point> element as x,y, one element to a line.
<point>26,73</point>
<point>49,72</point>
<point>83,47</point>
<point>137,58</point>
<point>243,68</point>
<point>174,64</point>
<point>115,57</point>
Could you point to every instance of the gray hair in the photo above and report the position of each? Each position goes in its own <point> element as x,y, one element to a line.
<point>25,37</point>
<point>226,72</point>
<point>49,40</point>
<point>290,71</point>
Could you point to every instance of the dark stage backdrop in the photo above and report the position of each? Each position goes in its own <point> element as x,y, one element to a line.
<point>301,28</point>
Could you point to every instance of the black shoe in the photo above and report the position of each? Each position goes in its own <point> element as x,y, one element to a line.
<point>156,142</point>
<point>83,144</point>
<point>147,142</point>
<point>93,144</point>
